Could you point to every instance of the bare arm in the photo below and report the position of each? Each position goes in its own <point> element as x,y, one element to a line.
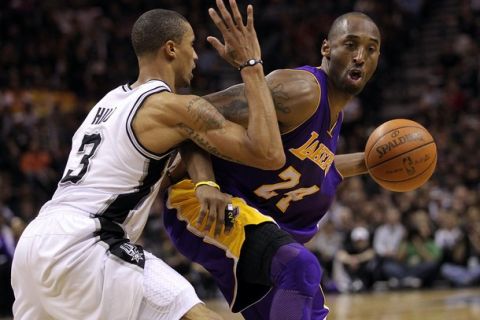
<point>351,164</point>
<point>346,258</point>
<point>366,255</point>
<point>295,94</point>
<point>197,162</point>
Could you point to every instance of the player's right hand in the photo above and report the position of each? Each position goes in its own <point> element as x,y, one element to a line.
<point>212,206</point>
<point>241,42</point>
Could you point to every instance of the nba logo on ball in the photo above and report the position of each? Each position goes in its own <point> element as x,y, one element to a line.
<point>400,155</point>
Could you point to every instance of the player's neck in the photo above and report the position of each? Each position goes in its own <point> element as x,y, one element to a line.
<point>148,70</point>
<point>337,100</point>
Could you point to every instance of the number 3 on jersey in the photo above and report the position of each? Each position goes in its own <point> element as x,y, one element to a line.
<point>292,178</point>
<point>88,147</point>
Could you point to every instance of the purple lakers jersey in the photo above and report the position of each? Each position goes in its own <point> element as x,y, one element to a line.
<point>298,195</point>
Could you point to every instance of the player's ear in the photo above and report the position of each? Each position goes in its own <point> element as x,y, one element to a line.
<point>170,49</point>
<point>326,49</point>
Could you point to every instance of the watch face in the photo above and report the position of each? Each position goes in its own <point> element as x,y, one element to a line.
<point>251,62</point>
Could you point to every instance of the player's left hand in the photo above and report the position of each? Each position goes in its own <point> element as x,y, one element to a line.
<point>212,207</point>
<point>240,40</point>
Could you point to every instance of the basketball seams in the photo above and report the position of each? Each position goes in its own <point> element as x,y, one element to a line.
<point>413,177</point>
<point>386,133</point>
<point>401,154</point>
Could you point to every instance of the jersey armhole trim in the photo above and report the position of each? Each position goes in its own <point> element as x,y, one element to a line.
<point>338,172</point>
<point>130,133</point>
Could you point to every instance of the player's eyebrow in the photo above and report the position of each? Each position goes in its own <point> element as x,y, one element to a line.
<point>355,37</point>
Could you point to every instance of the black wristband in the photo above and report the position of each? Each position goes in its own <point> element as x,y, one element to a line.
<point>250,63</point>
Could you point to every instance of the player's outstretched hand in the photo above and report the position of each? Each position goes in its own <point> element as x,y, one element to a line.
<point>241,42</point>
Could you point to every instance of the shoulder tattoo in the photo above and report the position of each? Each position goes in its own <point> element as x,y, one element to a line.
<point>280,97</point>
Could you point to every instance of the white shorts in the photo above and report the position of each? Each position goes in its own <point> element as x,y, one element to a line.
<point>61,271</point>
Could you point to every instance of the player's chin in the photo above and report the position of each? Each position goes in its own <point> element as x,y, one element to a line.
<point>189,79</point>
<point>354,89</point>
<point>353,86</point>
<point>187,82</point>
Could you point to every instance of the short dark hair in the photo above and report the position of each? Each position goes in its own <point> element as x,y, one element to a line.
<point>155,27</point>
<point>336,23</point>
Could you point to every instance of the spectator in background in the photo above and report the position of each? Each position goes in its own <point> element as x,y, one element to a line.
<point>325,245</point>
<point>448,234</point>
<point>418,258</point>
<point>463,267</point>
<point>355,263</point>
<point>388,239</point>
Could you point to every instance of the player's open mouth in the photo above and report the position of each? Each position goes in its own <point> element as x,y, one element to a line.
<point>355,74</point>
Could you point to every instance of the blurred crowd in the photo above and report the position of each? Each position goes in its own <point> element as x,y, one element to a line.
<point>58,57</point>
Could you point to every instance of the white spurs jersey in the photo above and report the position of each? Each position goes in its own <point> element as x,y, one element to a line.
<point>109,175</point>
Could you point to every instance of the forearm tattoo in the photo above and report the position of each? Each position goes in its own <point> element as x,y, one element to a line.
<point>204,115</point>
<point>202,142</point>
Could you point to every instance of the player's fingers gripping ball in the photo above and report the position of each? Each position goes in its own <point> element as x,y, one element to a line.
<point>400,155</point>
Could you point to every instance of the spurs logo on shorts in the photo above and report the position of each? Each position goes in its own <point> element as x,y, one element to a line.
<point>132,251</point>
<point>129,252</point>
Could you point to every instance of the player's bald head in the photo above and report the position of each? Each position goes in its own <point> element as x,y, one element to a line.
<point>345,23</point>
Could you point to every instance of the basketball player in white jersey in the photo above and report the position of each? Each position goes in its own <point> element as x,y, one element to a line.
<point>78,259</point>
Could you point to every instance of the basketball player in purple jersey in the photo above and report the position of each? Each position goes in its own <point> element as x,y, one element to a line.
<point>265,271</point>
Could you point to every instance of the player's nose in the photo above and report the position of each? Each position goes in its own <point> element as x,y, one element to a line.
<point>359,56</point>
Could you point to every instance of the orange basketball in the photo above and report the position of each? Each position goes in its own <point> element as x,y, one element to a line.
<point>400,155</point>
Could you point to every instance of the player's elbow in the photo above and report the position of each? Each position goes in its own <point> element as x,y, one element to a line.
<point>273,160</point>
<point>278,159</point>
